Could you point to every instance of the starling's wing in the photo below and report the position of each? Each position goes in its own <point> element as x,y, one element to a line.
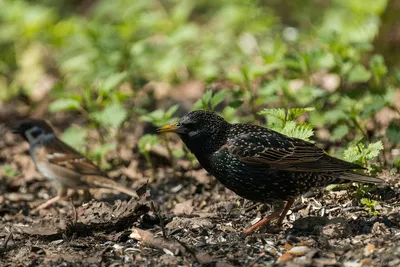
<point>272,150</point>
<point>277,151</point>
<point>62,155</point>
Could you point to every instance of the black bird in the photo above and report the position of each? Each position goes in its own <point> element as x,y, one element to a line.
<point>260,164</point>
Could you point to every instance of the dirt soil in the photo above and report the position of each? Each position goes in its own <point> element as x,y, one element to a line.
<point>184,218</point>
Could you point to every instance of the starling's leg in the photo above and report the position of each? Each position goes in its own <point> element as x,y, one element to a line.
<point>289,204</point>
<point>260,223</point>
<point>277,210</point>
<point>62,192</point>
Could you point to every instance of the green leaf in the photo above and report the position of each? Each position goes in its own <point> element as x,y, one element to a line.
<point>370,205</point>
<point>294,113</point>
<point>274,112</point>
<point>63,104</point>
<point>378,68</point>
<point>373,150</point>
<point>209,100</point>
<point>146,143</point>
<point>235,103</point>
<point>8,171</point>
<point>302,131</point>
<point>206,99</point>
<point>358,74</point>
<point>112,82</point>
<point>217,98</point>
<point>113,115</point>
<point>98,154</point>
<point>340,131</point>
<point>285,115</point>
<point>170,112</point>
<point>75,137</point>
<point>353,153</point>
<point>393,132</point>
<point>178,153</point>
<point>159,118</point>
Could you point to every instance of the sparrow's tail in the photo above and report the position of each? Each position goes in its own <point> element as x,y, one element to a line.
<point>105,182</point>
<point>361,178</point>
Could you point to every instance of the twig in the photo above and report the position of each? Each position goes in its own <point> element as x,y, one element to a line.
<point>75,216</point>
<point>148,239</point>
<point>257,259</point>
<point>171,156</point>
<point>3,247</point>
<point>251,207</point>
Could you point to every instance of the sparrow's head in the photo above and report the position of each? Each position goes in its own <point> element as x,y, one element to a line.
<point>200,130</point>
<point>31,129</point>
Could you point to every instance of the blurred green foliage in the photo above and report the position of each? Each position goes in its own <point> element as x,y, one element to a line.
<point>97,56</point>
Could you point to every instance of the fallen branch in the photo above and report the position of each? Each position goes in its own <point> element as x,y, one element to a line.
<point>148,239</point>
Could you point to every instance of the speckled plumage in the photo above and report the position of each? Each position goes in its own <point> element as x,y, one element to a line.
<point>260,164</point>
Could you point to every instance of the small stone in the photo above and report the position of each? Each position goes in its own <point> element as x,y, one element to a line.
<point>351,264</point>
<point>369,249</point>
<point>299,251</point>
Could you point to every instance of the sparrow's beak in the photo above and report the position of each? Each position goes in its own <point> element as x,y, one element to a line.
<point>172,128</point>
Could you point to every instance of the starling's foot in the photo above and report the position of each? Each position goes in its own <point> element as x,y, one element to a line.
<point>281,213</point>
<point>262,222</point>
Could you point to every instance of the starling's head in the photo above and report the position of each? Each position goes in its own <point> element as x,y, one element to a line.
<point>199,128</point>
<point>32,129</point>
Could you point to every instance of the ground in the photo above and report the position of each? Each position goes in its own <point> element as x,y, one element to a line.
<point>185,218</point>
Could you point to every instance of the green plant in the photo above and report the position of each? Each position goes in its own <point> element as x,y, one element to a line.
<point>372,206</point>
<point>8,171</point>
<point>284,121</point>
<point>210,100</point>
<point>160,118</point>
<point>103,107</point>
<point>362,154</point>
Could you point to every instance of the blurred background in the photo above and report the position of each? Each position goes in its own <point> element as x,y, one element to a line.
<point>113,67</point>
<point>107,73</point>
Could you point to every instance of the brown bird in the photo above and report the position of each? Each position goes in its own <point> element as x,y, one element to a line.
<point>61,164</point>
<point>260,164</point>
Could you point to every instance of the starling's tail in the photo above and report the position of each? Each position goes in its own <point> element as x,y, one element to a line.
<point>361,178</point>
<point>105,182</point>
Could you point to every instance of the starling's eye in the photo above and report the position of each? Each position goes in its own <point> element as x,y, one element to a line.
<point>189,126</point>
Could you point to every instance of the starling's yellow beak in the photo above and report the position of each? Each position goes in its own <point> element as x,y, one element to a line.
<point>173,128</point>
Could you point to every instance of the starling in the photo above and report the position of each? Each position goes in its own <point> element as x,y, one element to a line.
<point>260,164</point>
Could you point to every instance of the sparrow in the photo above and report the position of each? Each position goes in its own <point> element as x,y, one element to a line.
<point>62,164</point>
<point>260,164</point>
